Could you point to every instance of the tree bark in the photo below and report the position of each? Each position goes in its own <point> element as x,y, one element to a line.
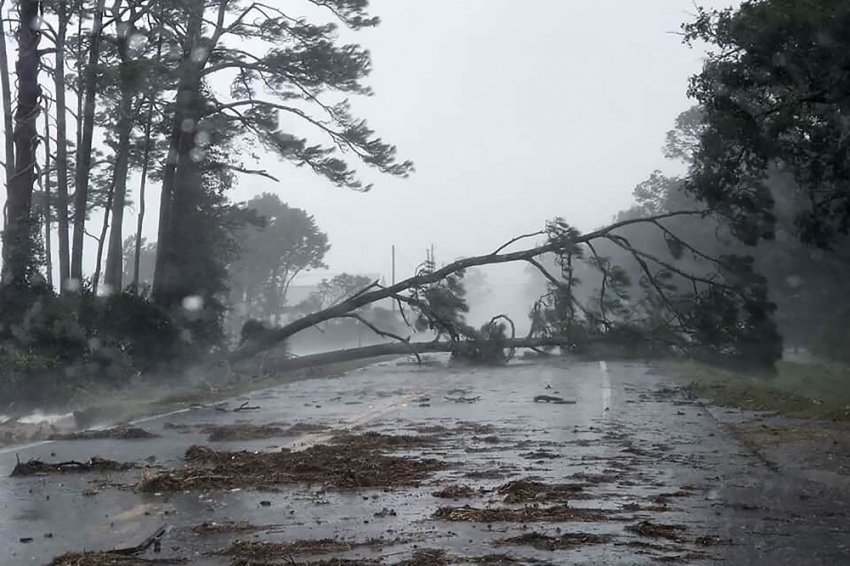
<point>48,209</point>
<point>115,250</point>
<point>8,123</point>
<point>62,151</point>
<point>84,150</point>
<point>151,100</point>
<point>18,242</point>
<point>137,256</point>
<point>181,184</point>
<point>101,241</point>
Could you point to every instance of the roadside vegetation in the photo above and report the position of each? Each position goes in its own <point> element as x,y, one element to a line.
<point>799,390</point>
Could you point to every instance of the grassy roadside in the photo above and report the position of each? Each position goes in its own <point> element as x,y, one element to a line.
<point>806,391</point>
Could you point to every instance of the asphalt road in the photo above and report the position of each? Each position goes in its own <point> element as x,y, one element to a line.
<point>653,455</point>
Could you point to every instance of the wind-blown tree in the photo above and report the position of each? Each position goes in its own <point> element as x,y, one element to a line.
<point>301,74</point>
<point>333,291</point>
<point>288,242</point>
<point>138,75</point>
<point>775,97</point>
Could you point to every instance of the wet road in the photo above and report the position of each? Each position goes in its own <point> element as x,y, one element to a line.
<point>647,453</point>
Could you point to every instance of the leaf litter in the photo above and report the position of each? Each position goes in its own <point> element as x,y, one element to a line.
<point>565,541</point>
<point>350,461</point>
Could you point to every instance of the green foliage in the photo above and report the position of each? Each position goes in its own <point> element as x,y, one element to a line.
<point>441,307</point>
<point>772,95</point>
<point>335,290</point>
<point>486,346</point>
<point>64,344</point>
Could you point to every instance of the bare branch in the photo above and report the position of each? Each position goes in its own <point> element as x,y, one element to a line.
<point>384,333</point>
<point>517,239</point>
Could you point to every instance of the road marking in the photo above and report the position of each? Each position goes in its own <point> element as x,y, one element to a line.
<point>606,387</point>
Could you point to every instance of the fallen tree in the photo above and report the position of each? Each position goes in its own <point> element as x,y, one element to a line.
<point>401,349</point>
<point>717,310</point>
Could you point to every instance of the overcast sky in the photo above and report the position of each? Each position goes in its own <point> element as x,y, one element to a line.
<point>514,112</point>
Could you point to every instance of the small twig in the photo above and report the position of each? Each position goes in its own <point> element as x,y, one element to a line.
<point>244,407</point>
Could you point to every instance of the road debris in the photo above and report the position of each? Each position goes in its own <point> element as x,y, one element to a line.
<point>528,490</point>
<point>212,527</point>
<point>528,514</point>
<point>463,399</point>
<point>116,433</point>
<point>261,552</point>
<point>356,463</point>
<point>655,530</point>
<point>94,464</point>
<point>224,433</point>
<point>378,441</point>
<point>552,399</point>
<point>456,492</point>
<point>105,559</point>
<point>427,557</point>
<point>545,542</point>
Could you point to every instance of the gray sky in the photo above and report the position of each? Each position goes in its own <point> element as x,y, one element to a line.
<point>514,113</point>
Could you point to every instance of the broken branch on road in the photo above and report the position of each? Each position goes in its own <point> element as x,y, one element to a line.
<point>94,464</point>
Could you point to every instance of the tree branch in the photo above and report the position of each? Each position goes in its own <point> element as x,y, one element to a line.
<point>384,333</point>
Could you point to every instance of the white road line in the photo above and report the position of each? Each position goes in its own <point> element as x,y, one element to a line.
<point>606,387</point>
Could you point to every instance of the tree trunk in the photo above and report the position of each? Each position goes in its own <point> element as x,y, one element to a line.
<point>398,349</point>
<point>83,164</point>
<point>62,151</point>
<point>9,127</point>
<point>137,257</point>
<point>18,241</point>
<point>115,250</point>
<point>48,209</point>
<point>101,241</point>
<point>181,180</point>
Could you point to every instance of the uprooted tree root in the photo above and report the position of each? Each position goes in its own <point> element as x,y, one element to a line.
<point>564,541</point>
<point>528,514</point>
<point>351,465</point>
<point>95,464</point>
<point>529,490</point>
